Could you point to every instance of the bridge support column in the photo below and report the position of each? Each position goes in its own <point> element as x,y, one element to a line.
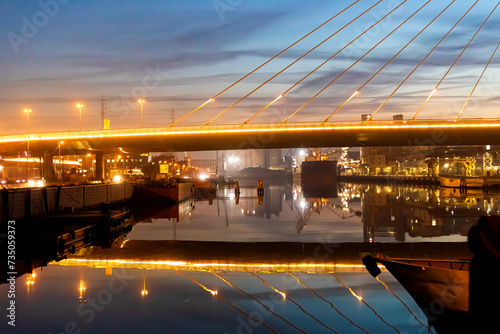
<point>99,166</point>
<point>48,172</point>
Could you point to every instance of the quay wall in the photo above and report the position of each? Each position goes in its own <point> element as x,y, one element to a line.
<point>20,204</point>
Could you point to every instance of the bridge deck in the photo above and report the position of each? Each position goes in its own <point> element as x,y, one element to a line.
<point>192,138</point>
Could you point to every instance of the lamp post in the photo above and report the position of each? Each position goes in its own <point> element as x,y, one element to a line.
<point>80,106</point>
<point>27,111</point>
<point>142,120</point>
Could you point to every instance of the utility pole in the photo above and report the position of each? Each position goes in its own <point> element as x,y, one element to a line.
<point>103,110</point>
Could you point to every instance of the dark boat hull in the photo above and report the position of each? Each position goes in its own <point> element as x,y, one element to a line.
<point>443,284</point>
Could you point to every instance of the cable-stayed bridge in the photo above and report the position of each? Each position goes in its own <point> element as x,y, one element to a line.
<point>260,130</point>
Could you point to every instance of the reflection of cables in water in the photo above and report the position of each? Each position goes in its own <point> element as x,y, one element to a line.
<point>248,316</point>
<point>404,304</point>
<point>364,302</point>
<point>258,301</point>
<point>270,287</point>
<point>331,305</point>
<point>294,302</point>
<point>213,292</point>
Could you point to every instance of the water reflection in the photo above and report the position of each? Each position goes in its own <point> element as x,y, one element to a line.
<point>370,213</point>
<point>227,263</point>
<point>409,212</point>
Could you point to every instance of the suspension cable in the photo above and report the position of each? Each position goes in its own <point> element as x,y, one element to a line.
<point>265,63</point>
<point>478,80</point>
<point>322,64</point>
<point>387,63</point>
<point>353,64</point>
<point>419,64</point>
<point>456,60</point>
<point>291,64</point>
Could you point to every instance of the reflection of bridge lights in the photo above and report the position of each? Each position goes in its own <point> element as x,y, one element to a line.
<point>144,292</point>
<point>203,266</point>
<point>30,280</point>
<point>82,290</point>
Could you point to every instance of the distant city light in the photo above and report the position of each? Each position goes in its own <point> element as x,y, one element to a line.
<point>233,160</point>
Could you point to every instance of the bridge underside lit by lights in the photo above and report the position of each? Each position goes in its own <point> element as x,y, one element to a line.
<point>260,136</point>
<point>268,257</point>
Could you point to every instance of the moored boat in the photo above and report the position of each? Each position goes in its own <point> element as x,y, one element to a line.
<point>439,287</point>
<point>428,281</point>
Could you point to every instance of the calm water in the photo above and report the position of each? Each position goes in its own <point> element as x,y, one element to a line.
<point>138,286</point>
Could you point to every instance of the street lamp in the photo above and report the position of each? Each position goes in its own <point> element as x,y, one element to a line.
<point>27,111</point>
<point>141,102</point>
<point>80,106</point>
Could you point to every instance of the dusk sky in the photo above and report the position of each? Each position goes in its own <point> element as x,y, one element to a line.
<point>178,54</point>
